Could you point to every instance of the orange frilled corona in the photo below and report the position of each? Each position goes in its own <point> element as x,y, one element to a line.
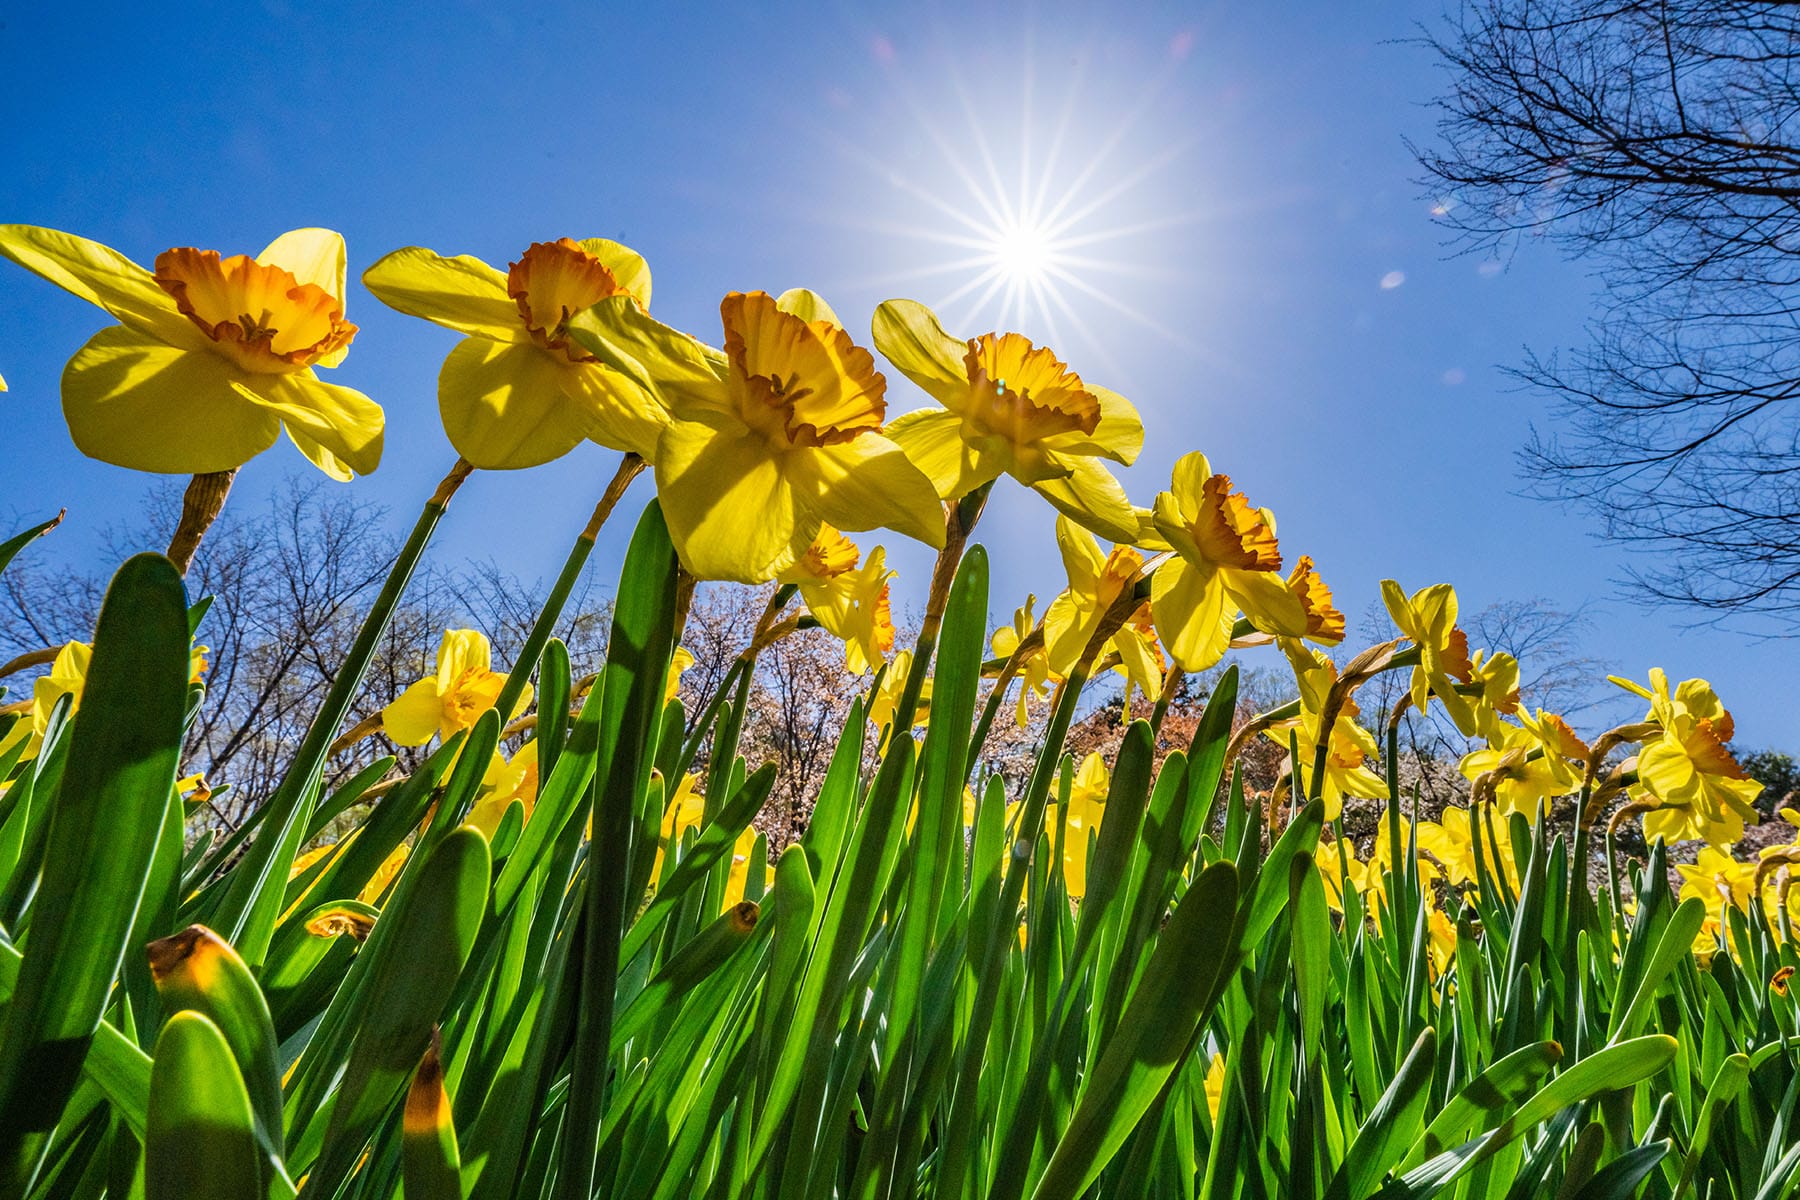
<point>258,314</point>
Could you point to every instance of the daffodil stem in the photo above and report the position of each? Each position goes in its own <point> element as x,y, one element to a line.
<point>525,662</point>
<point>200,507</point>
<point>31,658</point>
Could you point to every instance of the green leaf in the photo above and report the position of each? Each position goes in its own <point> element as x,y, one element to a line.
<point>10,548</point>
<point>1153,1038</point>
<point>430,1162</point>
<point>103,831</point>
<point>201,1143</point>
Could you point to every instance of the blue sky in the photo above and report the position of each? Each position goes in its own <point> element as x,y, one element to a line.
<point>1251,262</point>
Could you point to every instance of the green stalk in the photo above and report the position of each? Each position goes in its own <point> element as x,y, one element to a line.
<point>525,662</point>
<point>246,915</point>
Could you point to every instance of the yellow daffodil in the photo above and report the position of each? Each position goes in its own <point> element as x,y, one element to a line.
<point>517,391</point>
<point>1225,559</point>
<point>1096,581</point>
<point>384,875</point>
<point>738,880</point>
<point>769,441</point>
<point>679,662</point>
<point>1428,619</point>
<point>1215,1085</point>
<point>1033,671</point>
<point>1497,677</point>
<point>851,602</point>
<point>683,811</point>
<point>1010,408</point>
<point>1140,656</point>
<point>67,676</point>
<point>887,696</point>
<point>1451,841</point>
<point>506,782</point>
<point>1324,623</point>
<point>1687,770</point>
<point>1381,855</point>
<point>464,686</point>
<point>1523,773</point>
<point>1441,932</point>
<point>1718,879</point>
<point>1350,747</point>
<point>1087,807</point>
<point>1334,873</point>
<point>213,356</point>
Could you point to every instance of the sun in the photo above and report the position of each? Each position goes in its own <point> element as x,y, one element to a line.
<point>1025,254</point>
<point>1021,208</point>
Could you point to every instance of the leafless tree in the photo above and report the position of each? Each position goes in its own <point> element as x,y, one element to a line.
<point>1658,140</point>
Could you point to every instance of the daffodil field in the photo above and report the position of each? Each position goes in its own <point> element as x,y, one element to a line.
<point>557,958</point>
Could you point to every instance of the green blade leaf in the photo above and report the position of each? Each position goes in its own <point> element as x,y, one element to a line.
<point>201,1142</point>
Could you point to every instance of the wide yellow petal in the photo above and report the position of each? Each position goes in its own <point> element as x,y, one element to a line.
<point>625,416</point>
<point>1082,559</point>
<point>732,513</point>
<point>507,405</point>
<point>909,336</point>
<point>933,439</point>
<point>1090,496</point>
<point>869,483</point>
<point>412,719</point>
<point>314,256</point>
<point>808,305</point>
<point>628,268</point>
<point>686,373</point>
<point>1192,612</point>
<point>101,275</point>
<point>461,651</point>
<point>337,424</point>
<point>461,293</point>
<point>134,401</point>
<point>1119,435</point>
<point>1267,600</point>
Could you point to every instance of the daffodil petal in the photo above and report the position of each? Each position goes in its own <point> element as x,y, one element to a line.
<point>461,293</point>
<point>625,416</point>
<point>134,401</point>
<point>1082,560</point>
<point>412,719</point>
<point>314,256</point>
<point>909,336</point>
<point>338,420</point>
<point>869,483</point>
<point>1192,612</point>
<point>732,513</point>
<point>101,275</point>
<point>932,439</point>
<point>1267,600</point>
<point>808,305</point>
<point>629,270</point>
<point>657,357</point>
<point>1119,435</point>
<point>509,405</point>
<point>1090,496</point>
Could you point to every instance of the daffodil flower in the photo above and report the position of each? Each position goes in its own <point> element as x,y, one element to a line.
<point>1718,879</point>
<point>887,697</point>
<point>1451,841</point>
<point>1010,408</point>
<point>1087,808</point>
<point>66,677</point>
<point>769,441</point>
<point>1033,670</point>
<point>679,662</point>
<point>464,686</point>
<point>1523,777</point>
<point>1324,623</point>
<point>1688,770</point>
<point>1428,619</point>
<point>1350,746</point>
<point>737,880</point>
<point>213,356</point>
<point>1096,582</point>
<point>684,810</point>
<point>1226,559</point>
<point>505,783</point>
<point>518,391</point>
<point>851,602</point>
